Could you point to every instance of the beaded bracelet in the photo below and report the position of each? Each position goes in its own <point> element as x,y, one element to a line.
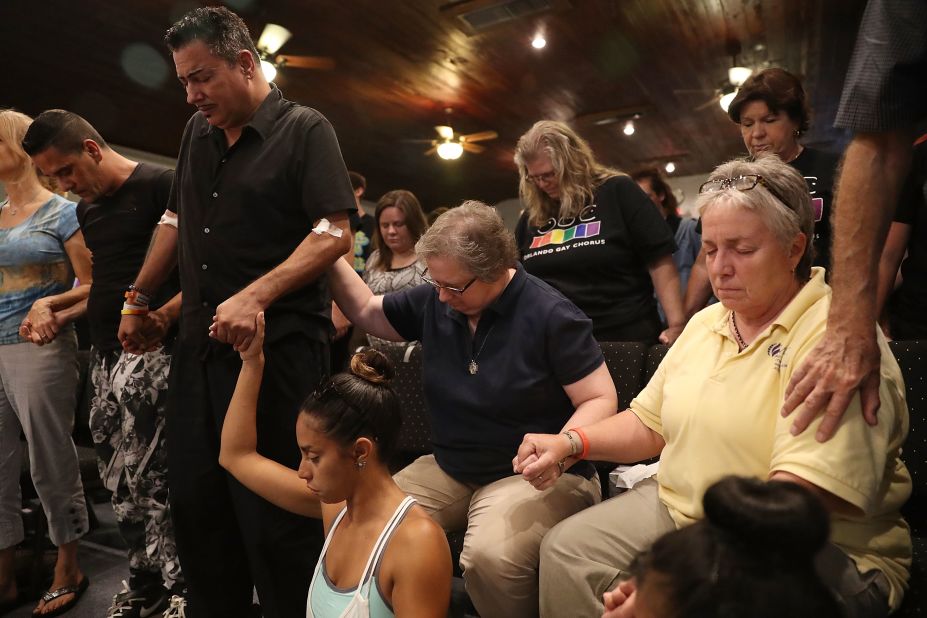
<point>573,449</point>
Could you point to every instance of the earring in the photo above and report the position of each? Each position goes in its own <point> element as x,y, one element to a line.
<point>361,464</point>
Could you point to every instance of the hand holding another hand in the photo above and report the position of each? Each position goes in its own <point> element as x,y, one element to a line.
<point>235,320</point>
<point>255,349</point>
<point>620,602</point>
<point>538,457</point>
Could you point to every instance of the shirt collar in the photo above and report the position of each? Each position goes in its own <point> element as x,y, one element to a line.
<point>504,304</point>
<point>264,117</point>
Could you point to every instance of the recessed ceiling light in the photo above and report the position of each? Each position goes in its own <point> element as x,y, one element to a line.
<point>670,167</point>
<point>538,42</point>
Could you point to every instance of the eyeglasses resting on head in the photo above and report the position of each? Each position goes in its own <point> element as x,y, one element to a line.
<point>741,183</point>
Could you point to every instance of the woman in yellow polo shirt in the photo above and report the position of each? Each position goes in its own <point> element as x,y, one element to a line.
<point>712,409</point>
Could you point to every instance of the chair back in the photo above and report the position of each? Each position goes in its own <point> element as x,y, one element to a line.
<point>912,358</point>
<point>625,362</point>
<point>415,433</point>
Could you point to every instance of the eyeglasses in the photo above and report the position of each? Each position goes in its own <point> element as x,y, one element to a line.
<point>741,183</point>
<point>449,288</point>
<point>539,178</point>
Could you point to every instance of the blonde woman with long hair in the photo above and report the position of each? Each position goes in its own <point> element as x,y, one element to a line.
<point>40,244</point>
<point>589,231</point>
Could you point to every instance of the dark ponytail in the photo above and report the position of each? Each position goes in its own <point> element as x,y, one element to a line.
<point>752,555</point>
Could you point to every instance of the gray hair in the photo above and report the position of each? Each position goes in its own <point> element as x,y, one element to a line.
<point>474,235</point>
<point>785,220</point>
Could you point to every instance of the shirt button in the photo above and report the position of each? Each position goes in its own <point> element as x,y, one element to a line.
<point>204,267</point>
<point>205,304</point>
<point>205,230</point>
<point>214,194</point>
<point>223,160</point>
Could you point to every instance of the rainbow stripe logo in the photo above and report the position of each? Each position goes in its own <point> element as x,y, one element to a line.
<point>558,237</point>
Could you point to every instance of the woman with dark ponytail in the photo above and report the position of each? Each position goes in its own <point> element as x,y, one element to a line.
<point>383,555</point>
<point>753,555</point>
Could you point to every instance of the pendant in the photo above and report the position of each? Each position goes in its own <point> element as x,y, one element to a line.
<point>473,368</point>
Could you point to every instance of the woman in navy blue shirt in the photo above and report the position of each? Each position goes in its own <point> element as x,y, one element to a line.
<point>503,353</point>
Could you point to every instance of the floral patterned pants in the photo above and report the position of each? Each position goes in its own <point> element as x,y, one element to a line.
<point>127,423</point>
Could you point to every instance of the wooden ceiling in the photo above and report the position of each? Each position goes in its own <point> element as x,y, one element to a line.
<point>402,63</point>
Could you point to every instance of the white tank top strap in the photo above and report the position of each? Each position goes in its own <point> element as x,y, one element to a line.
<point>380,545</point>
<point>358,606</point>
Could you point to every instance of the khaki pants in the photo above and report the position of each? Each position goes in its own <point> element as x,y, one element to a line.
<point>505,523</point>
<point>583,557</point>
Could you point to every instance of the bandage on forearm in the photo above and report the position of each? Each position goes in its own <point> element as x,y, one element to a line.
<point>325,227</point>
<point>168,218</point>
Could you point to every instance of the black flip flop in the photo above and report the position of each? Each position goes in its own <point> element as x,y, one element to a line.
<point>78,591</point>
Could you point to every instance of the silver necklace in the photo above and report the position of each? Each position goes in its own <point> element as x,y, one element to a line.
<point>740,340</point>
<point>7,206</point>
<point>474,367</point>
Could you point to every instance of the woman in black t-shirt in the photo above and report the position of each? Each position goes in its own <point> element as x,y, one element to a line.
<point>590,232</point>
<point>772,112</point>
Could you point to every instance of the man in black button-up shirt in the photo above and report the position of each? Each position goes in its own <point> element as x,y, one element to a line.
<point>256,173</point>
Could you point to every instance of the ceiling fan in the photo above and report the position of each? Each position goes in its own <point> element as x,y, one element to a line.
<point>271,40</point>
<point>450,145</point>
<point>726,90</point>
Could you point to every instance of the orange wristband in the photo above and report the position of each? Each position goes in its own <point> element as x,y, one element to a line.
<point>584,439</point>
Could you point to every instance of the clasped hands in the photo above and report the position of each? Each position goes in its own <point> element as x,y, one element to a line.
<point>41,325</point>
<point>540,459</point>
<point>236,321</point>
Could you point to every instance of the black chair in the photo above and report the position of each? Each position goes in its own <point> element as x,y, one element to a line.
<point>655,354</point>
<point>415,433</point>
<point>625,362</point>
<point>912,358</point>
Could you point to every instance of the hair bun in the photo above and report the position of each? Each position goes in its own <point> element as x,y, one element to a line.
<point>373,366</point>
<point>779,519</point>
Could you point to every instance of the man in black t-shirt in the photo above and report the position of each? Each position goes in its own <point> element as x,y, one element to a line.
<point>262,196</point>
<point>121,203</point>
<point>907,307</point>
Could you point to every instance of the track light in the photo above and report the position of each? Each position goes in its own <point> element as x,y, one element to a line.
<point>628,128</point>
<point>538,42</point>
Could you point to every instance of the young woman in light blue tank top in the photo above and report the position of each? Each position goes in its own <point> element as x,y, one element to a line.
<point>383,555</point>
